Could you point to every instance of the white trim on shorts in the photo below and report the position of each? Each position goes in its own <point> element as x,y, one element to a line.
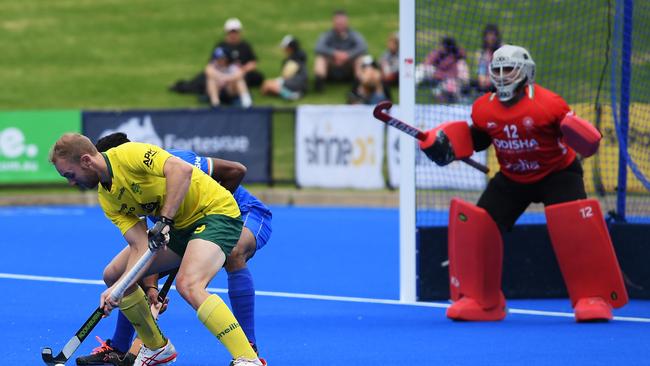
<point>258,229</point>
<point>246,219</point>
<point>210,166</point>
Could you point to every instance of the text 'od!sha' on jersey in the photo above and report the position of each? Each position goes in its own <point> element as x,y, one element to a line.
<point>526,136</point>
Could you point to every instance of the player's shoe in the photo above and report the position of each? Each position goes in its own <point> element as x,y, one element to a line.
<point>593,309</point>
<point>241,361</point>
<point>152,357</point>
<point>116,360</point>
<point>99,355</point>
<point>469,309</point>
<point>254,346</point>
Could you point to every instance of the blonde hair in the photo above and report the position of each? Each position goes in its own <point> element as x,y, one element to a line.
<point>70,147</point>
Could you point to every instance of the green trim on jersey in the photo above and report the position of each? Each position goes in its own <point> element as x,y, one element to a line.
<point>108,164</point>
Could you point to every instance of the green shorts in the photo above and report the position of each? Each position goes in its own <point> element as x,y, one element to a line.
<point>221,230</point>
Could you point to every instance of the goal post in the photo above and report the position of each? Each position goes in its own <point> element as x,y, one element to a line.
<point>407,237</point>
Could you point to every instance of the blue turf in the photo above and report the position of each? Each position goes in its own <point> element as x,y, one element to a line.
<point>307,248</point>
<point>441,218</point>
<point>425,218</point>
<point>333,251</point>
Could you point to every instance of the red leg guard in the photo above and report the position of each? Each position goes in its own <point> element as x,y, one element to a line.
<point>475,256</point>
<point>585,253</point>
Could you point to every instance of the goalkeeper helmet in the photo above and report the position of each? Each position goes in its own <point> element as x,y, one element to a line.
<point>511,66</point>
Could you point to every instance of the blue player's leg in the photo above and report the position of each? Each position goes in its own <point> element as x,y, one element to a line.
<point>241,290</point>
<point>123,335</point>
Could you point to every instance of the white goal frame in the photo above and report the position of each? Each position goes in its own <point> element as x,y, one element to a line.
<point>407,229</point>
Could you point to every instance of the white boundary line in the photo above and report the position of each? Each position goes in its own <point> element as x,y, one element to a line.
<point>291,295</point>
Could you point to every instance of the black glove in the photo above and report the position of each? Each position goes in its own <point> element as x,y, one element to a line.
<point>439,150</point>
<point>159,233</point>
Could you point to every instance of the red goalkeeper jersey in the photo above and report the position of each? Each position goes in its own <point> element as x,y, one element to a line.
<point>526,136</point>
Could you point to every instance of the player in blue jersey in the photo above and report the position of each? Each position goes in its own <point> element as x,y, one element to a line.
<point>255,234</point>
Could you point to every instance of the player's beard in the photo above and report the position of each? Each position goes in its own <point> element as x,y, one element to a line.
<point>89,181</point>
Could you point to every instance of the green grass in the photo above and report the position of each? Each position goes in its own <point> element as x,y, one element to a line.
<point>124,54</point>
<point>283,146</point>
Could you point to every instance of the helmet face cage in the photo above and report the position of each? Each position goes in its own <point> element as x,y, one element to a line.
<point>510,67</point>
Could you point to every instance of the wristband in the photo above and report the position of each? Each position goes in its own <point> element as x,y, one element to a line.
<point>166,220</point>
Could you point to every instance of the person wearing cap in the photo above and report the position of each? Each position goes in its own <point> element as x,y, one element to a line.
<point>369,89</point>
<point>338,52</point>
<point>224,81</point>
<point>292,82</point>
<point>240,52</point>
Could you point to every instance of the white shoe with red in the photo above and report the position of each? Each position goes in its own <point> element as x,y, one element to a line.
<point>153,357</point>
<point>241,361</point>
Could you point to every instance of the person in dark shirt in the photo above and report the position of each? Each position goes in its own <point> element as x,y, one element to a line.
<point>338,52</point>
<point>240,52</point>
<point>292,83</point>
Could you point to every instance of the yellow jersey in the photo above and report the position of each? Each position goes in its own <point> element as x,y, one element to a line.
<point>138,189</point>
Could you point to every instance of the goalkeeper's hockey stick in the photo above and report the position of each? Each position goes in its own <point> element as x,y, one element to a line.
<point>96,316</point>
<point>381,115</point>
<point>597,178</point>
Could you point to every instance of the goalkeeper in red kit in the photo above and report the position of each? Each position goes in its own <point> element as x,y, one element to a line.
<point>536,137</point>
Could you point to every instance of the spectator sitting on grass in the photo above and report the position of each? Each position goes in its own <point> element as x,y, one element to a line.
<point>292,83</point>
<point>445,69</point>
<point>240,52</point>
<point>389,61</point>
<point>338,52</point>
<point>224,82</point>
<point>369,89</point>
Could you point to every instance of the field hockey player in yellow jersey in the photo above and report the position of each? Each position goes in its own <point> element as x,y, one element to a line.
<point>199,224</point>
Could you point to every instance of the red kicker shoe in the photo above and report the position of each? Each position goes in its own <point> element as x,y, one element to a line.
<point>593,309</point>
<point>469,309</point>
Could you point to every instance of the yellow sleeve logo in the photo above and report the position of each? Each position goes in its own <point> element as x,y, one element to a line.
<point>199,229</point>
<point>148,157</point>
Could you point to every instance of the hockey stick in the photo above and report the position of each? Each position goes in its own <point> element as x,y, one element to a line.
<point>413,131</point>
<point>597,178</point>
<point>96,316</point>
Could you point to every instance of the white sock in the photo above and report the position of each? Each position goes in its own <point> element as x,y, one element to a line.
<point>246,100</point>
